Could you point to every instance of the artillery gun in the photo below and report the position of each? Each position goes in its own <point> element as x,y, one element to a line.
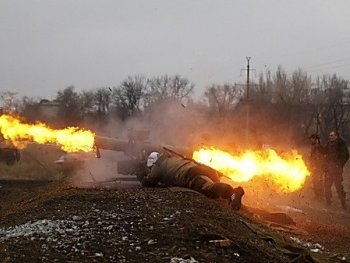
<point>136,149</point>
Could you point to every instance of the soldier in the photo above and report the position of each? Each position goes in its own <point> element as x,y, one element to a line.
<point>173,170</point>
<point>337,154</point>
<point>316,165</point>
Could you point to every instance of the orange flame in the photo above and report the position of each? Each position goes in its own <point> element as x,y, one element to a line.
<point>71,139</point>
<point>288,172</point>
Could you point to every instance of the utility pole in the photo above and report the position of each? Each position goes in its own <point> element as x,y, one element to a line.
<point>248,70</point>
<point>247,128</point>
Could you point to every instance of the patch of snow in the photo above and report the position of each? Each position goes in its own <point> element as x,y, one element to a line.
<point>181,260</point>
<point>41,227</point>
<point>313,247</point>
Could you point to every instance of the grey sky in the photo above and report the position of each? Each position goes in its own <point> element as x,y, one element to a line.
<point>47,45</point>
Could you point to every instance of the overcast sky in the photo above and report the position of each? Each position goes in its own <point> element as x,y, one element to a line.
<point>47,45</point>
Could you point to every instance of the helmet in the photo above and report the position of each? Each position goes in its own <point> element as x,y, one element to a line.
<point>152,158</point>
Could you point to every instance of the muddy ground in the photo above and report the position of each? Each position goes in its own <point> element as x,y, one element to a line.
<point>56,221</point>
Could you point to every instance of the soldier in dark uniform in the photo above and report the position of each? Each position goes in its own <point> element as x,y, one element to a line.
<point>337,154</point>
<point>173,170</point>
<point>317,166</point>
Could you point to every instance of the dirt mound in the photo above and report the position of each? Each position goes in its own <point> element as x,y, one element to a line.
<point>52,222</point>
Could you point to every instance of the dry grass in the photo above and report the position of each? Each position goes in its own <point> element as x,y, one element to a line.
<point>37,163</point>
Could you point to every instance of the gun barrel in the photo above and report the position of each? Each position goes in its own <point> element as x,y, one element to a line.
<point>120,145</point>
<point>109,143</point>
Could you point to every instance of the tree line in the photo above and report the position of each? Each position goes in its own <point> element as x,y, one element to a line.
<point>290,106</point>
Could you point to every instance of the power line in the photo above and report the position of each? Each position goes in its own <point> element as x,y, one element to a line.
<point>329,63</point>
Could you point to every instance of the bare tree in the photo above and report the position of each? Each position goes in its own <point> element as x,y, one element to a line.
<point>293,101</point>
<point>70,106</point>
<point>280,85</point>
<point>103,98</point>
<point>128,97</point>
<point>222,99</point>
<point>29,108</point>
<point>88,102</point>
<point>9,101</point>
<point>282,101</point>
<point>335,112</point>
<point>300,103</point>
<point>264,90</point>
<point>165,88</point>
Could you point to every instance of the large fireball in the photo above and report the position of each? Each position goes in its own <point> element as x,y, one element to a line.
<point>288,170</point>
<point>70,139</point>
